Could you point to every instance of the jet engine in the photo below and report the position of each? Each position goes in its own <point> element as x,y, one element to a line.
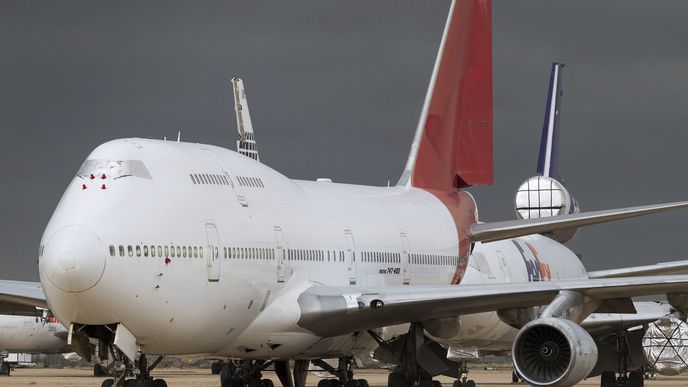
<point>542,196</point>
<point>665,345</point>
<point>553,352</point>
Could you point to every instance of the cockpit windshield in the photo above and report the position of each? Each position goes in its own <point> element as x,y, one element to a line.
<point>113,169</point>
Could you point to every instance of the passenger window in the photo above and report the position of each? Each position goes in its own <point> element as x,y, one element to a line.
<point>138,250</point>
<point>112,250</point>
<point>145,251</point>
<point>195,252</point>
<point>121,250</point>
<point>179,251</point>
<point>130,250</point>
<point>167,251</point>
<point>200,251</point>
<point>184,251</point>
<point>192,179</point>
<point>172,251</point>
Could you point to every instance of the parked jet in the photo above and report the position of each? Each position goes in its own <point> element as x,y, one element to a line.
<point>161,248</point>
<point>26,334</point>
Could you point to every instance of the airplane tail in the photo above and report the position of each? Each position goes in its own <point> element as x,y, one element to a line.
<point>548,160</point>
<point>452,146</point>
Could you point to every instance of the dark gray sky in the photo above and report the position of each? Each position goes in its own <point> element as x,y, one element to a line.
<point>335,89</point>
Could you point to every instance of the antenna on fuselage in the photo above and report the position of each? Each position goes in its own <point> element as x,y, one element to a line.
<point>246,143</point>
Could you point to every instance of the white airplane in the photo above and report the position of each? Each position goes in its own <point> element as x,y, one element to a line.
<point>161,248</point>
<point>25,334</point>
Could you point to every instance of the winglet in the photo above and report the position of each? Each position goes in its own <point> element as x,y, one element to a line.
<point>548,160</point>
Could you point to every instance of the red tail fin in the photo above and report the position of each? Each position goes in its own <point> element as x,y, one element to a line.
<point>454,136</point>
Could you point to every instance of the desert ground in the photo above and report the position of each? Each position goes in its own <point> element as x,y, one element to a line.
<point>190,377</point>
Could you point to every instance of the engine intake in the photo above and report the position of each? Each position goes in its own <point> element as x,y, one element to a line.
<point>553,352</point>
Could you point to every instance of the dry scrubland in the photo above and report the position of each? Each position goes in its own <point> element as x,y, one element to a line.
<point>201,378</point>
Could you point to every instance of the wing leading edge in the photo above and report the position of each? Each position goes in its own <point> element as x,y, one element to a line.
<point>329,311</point>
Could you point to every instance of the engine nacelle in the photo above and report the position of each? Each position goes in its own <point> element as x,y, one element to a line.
<point>553,352</point>
<point>540,197</point>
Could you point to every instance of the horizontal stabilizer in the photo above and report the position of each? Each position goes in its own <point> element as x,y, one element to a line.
<point>664,268</point>
<point>490,232</point>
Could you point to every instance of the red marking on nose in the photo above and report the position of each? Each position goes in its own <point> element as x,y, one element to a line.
<point>167,261</point>
<point>83,186</point>
<point>103,176</point>
<point>92,177</point>
<point>102,186</point>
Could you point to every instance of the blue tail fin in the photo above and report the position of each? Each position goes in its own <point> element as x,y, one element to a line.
<point>548,160</point>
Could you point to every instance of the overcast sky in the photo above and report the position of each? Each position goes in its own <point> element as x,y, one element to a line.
<point>335,89</point>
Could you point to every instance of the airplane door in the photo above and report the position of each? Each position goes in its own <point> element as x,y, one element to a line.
<point>238,192</point>
<point>280,256</point>
<point>405,259</point>
<point>213,254</point>
<point>351,256</point>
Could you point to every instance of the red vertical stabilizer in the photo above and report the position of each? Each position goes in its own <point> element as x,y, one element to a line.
<point>454,135</point>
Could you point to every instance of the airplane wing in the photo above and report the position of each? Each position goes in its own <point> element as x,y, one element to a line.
<point>495,231</point>
<point>332,311</point>
<point>664,268</point>
<point>22,298</point>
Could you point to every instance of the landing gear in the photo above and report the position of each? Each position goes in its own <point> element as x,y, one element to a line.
<point>5,369</point>
<point>515,377</point>
<point>216,367</point>
<point>245,373</point>
<point>632,379</point>
<point>418,356</point>
<point>343,373</point>
<point>143,377</point>
<point>100,370</point>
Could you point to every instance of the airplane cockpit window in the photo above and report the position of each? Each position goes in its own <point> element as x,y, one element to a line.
<point>112,169</point>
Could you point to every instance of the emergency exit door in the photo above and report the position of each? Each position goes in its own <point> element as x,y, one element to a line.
<point>281,256</point>
<point>351,256</point>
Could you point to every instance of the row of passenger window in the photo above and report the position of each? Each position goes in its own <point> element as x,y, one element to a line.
<point>433,259</point>
<point>381,257</point>
<point>314,255</point>
<point>262,253</point>
<point>159,251</point>
<point>208,178</point>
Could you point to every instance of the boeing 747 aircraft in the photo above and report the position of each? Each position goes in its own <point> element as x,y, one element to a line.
<point>159,248</point>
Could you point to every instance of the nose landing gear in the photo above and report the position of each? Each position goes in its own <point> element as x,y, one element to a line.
<point>142,374</point>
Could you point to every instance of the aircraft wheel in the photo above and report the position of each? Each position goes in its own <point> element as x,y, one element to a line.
<point>351,383</point>
<point>5,369</point>
<point>363,383</point>
<point>457,383</point>
<point>437,383</point>
<point>397,379</point>
<point>159,383</point>
<point>426,383</point>
<point>216,368</point>
<point>514,377</point>
<point>99,370</point>
<point>635,379</point>
<point>108,383</point>
<point>266,383</point>
<point>470,383</point>
<point>328,383</point>
<point>607,379</point>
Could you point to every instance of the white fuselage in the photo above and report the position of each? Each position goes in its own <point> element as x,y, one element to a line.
<point>31,335</point>
<point>134,199</point>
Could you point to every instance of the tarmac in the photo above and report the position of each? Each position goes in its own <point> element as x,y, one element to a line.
<point>195,377</point>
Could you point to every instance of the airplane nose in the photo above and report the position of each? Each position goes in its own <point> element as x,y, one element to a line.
<point>74,259</point>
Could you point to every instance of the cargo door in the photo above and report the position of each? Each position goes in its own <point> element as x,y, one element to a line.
<point>213,253</point>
